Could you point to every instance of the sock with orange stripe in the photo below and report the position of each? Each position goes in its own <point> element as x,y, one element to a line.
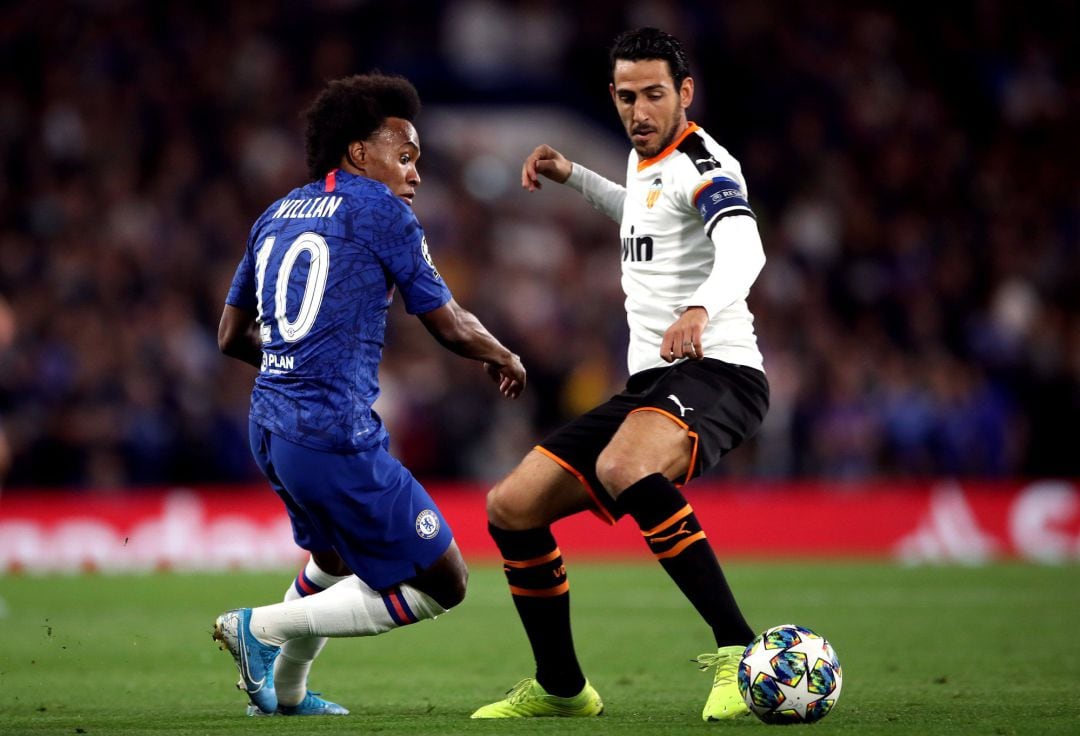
<point>291,668</point>
<point>672,531</point>
<point>534,569</point>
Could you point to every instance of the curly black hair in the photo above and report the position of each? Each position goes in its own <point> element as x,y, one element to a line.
<point>351,109</point>
<point>651,43</point>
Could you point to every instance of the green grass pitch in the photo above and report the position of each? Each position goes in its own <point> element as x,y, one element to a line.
<point>934,650</point>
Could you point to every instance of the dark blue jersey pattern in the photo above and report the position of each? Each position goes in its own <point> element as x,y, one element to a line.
<point>320,270</point>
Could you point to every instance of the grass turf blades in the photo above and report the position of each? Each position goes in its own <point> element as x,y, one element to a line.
<point>953,650</point>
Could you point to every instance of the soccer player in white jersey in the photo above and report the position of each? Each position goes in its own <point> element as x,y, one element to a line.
<point>690,252</point>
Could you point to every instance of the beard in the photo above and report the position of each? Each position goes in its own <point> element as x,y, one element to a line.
<point>662,142</point>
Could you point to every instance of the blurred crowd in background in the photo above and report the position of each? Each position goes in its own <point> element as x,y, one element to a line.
<point>914,176</point>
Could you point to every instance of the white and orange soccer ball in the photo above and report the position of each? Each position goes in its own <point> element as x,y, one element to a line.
<point>789,674</point>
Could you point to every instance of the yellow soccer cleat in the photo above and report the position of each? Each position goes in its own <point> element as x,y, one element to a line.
<point>528,699</point>
<point>725,701</point>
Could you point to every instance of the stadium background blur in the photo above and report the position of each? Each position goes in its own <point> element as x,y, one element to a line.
<point>913,174</point>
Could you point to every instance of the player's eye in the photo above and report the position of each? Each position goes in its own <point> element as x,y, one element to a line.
<point>405,158</point>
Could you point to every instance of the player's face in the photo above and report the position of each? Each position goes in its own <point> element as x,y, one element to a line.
<point>390,156</point>
<point>652,110</point>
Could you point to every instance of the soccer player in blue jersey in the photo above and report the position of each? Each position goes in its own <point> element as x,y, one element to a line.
<point>308,307</point>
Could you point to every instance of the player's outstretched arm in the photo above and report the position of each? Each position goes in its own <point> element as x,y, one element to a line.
<point>547,161</point>
<point>457,329</point>
<point>238,335</point>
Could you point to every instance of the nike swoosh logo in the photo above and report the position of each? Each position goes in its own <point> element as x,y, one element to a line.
<point>245,669</point>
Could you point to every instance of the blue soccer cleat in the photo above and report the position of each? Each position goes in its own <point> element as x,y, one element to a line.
<point>311,705</point>
<point>254,659</point>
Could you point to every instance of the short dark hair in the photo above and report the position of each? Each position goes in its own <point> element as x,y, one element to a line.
<point>651,43</point>
<point>351,109</point>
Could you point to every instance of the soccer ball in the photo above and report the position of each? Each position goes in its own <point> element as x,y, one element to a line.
<point>789,674</point>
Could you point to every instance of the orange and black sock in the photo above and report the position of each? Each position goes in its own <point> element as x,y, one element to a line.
<point>677,540</point>
<point>537,577</point>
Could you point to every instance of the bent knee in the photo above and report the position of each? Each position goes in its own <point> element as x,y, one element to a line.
<point>507,510</point>
<point>454,592</point>
<point>449,588</point>
<point>537,493</point>
<point>617,472</point>
<point>331,563</point>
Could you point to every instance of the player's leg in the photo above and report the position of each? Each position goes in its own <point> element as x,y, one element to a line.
<point>293,664</point>
<point>255,659</point>
<point>445,581</point>
<point>352,607</point>
<point>687,421</point>
<point>647,451</point>
<point>388,531</point>
<point>521,509</point>
<point>386,527</point>
<point>636,469</point>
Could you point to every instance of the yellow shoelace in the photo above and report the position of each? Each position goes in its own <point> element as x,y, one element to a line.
<point>519,692</point>
<point>727,666</point>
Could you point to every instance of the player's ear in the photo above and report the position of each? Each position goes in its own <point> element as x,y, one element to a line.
<point>686,92</point>
<point>355,153</point>
<point>611,89</point>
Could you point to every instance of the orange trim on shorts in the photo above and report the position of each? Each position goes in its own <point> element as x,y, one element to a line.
<point>681,546</point>
<point>600,509</point>
<point>534,561</point>
<point>693,436</point>
<point>690,128</point>
<point>559,589</point>
<point>684,511</point>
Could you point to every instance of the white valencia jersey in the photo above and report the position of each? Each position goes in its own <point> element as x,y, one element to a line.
<point>689,238</point>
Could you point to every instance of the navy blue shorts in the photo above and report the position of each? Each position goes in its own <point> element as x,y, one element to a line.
<point>366,506</point>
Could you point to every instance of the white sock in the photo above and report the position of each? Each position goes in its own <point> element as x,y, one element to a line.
<point>348,608</point>
<point>294,663</point>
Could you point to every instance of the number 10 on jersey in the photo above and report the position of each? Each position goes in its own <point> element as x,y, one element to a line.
<point>314,286</point>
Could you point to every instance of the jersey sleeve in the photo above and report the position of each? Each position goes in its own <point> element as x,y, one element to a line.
<point>242,291</point>
<point>713,182</point>
<point>719,194</point>
<point>715,187</point>
<point>739,258</point>
<point>603,194</point>
<point>405,256</point>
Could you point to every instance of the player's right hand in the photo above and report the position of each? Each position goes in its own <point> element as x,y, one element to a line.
<point>547,161</point>
<point>510,376</point>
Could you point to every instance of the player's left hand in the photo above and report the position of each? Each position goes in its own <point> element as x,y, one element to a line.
<point>683,338</point>
<point>510,376</point>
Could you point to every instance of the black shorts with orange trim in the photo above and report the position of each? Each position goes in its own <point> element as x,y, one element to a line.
<point>721,405</point>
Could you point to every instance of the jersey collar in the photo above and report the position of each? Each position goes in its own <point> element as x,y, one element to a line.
<point>690,128</point>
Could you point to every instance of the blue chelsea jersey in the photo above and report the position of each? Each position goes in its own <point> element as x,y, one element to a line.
<point>320,270</point>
